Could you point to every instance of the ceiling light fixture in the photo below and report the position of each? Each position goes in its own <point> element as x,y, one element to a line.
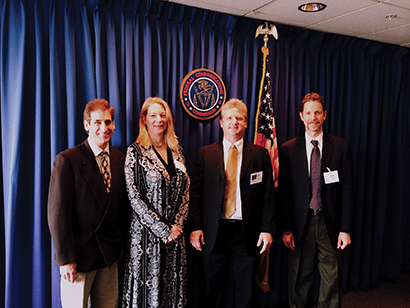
<point>390,16</point>
<point>312,7</point>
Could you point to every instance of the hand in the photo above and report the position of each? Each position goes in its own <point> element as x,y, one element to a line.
<point>175,234</point>
<point>288,240</point>
<point>197,239</point>
<point>343,241</point>
<point>266,239</point>
<point>68,271</point>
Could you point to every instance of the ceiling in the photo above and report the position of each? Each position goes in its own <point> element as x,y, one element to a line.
<point>359,18</point>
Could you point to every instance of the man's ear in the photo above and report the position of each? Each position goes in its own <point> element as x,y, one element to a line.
<point>86,126</point>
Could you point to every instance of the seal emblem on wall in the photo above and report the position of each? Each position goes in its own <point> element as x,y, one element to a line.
<point>202,94</point>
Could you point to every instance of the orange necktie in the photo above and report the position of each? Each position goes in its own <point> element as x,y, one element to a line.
<point>229,204</point>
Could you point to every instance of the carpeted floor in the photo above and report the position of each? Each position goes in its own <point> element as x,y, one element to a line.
<point>386,294</point>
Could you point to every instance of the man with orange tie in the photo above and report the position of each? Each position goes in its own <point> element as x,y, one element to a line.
<point>232,211</point>
<point>316,184</point>
<point>87,206</point>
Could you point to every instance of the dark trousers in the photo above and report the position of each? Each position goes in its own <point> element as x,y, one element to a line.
<point>229,262</point>
<point>316,250</point>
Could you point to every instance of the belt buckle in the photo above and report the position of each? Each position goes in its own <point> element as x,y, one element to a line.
<point>231,220</point>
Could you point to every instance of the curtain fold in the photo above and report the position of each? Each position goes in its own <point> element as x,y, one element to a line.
<point>56,55</point>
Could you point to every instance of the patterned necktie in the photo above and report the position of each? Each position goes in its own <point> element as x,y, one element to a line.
<point>106,170</point>
<point>229,204</point>
<point>315,162</point>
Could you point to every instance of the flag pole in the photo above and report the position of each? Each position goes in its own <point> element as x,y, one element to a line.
<point>265,136</point>
<point>265,129</point>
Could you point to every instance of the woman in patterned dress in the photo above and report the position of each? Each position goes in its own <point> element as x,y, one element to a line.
<point>157,185</point>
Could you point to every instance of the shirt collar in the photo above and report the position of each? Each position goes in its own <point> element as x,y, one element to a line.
<point>96,149</point>
<point>318,138</point>
<point>227,144</point>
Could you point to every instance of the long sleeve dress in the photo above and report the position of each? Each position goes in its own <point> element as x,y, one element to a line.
<point>155,273</point>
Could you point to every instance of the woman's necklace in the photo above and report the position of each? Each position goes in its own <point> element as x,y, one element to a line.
<point>159,144</point>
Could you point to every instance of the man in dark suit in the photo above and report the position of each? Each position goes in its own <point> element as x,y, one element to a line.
<point>87,203</point>
<point>231,210</point>
<point>316,184</point>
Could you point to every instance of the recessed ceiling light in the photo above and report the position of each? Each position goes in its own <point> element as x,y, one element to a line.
<point>390,16</point>
<point>312,7</point>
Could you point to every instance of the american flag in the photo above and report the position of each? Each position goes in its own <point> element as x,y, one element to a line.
<point>265,135</point>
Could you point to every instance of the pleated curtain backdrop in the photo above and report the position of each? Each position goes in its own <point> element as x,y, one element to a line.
<point>57,55</point>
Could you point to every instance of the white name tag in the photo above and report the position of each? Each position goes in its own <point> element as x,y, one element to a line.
<point>331,177</point>
<point>180,166</point>
<point>256,177</point>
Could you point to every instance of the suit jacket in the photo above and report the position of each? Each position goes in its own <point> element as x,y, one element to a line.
<point>86,222</point>
<point>207,193</point>
<point>294,185</point>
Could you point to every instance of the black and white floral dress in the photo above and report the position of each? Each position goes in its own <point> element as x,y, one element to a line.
<point>155,273</point>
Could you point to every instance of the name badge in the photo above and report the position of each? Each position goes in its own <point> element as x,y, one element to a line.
<point>256,177</point>
<point>331,176</point>
<point>180,166</point>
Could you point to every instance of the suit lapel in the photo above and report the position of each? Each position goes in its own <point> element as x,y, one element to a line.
<point>247,155</point>
<point>302,164</point>
<point>301,156</point>
<point>91,173</point>
<point>116,172</point>
<point>327,151</point>
<point>218,158</point>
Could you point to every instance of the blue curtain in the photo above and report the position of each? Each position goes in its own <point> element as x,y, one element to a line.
<point>57,55</point>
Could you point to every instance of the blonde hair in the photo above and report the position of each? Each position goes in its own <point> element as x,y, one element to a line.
<point>169,135</point>
<point>235,103</point>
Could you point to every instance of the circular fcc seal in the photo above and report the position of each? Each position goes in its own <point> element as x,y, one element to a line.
<point>202,94</point>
